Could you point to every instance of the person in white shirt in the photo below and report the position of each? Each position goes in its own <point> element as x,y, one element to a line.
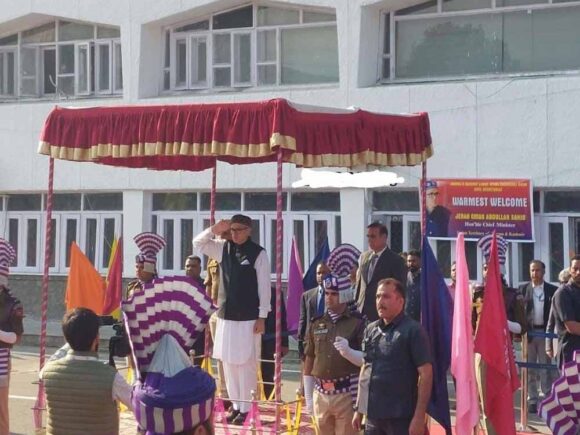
<point>244,303</point>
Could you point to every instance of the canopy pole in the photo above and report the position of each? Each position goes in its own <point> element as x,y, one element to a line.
<point>207,344</point>
<point>39,406</point>
<point>423,199</point>
<point>279,230</point>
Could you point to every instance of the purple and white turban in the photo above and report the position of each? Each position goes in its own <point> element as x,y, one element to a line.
<point>341,262</point>
<point>485,245</point>
<point>149,245</point>
<point>7,256</point>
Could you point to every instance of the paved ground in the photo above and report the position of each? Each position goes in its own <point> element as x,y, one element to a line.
<point>23,390</point>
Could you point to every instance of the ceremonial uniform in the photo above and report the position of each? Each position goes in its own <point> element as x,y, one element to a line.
<point>11,315</point>
<point>335,377</point>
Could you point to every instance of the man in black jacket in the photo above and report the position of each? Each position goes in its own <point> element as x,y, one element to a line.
<point>378,263</point>
<point>538,300</point>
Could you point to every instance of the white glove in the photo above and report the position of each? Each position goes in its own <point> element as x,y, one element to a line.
<point>356,357</point>
<point>514,327</point>
<point>308,392</point>
<point>8,337</point>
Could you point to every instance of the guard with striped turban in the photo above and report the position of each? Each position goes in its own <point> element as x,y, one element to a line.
<point>333,355</point>
<point>11,329</point>
<point>149,245</point>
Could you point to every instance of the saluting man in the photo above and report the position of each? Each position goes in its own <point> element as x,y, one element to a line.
<point>11,329</point>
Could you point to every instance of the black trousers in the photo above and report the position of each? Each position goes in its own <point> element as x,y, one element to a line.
<point>387,426</point>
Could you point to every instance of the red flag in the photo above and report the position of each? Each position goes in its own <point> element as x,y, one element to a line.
<point>493,343</point>
<point>114,279</point>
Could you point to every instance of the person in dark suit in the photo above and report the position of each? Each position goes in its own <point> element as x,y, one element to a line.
<point>538,300</point>
<point>378,263</point>
<point>311,305</point>
<point>269,344</point>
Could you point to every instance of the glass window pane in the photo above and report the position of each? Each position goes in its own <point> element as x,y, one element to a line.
<point>66,201</point>
<point>44,33</point>
<point>222,77</point>
<point>104,76</point>
<point>103,201</point>
<point>263,201</point>
<point>273,251</point>
<point>9,40</point>
<point>387,34</point>
<point>118,68</point>
<point>423,8</point>
<point>70,31</point>
<point>526,255</point>
<point>174,201</point>
<point>66,62</point>
<point>181,62</point>
<point>26,202</point>
<point>267,46</point>
<point>31,242</point>
<point>321,201</point>
<point>449,46</point>
<point>299,236</point>
<point>83,73</point>
<point>186,238</point>
<point>318,17</point>
<point>471,255</point>
<point>256,232</point>
<point>320,234</point>
<point>13,227</point>
<point>221,48</point>
<point>564,201</point>
<point>167,57</point>
<point>168,226</point>
<point>224,201</point>
<point>266,75</point>
<point>166,80</point>
<point>444,257</point>
<point>66,85</point>
<point>338,230</point>
<point>91,239</point>
<point>10,75</point>
<point>556,243</point>
<point>198,25</point>
<point>108,239</point>
<point>386,68</point>
<point>269,16</point>
<point>414,236</point>
<point>54,237</point>
<point>399,200</point>
<point>309,55</point>
<point>243,58</point>
<point>2,78</point>
<point>105,32</point>
<point>71,236</point>
<point>198,61</point>
<point>49,71</point>
<point>464,5</point>
<point>396,234</point>
<point>234,19</point>
<point>28,62</point>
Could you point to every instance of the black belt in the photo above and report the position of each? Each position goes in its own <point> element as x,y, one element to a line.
<point>539,326</point>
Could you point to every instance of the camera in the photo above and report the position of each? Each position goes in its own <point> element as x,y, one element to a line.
<point>119,343</point>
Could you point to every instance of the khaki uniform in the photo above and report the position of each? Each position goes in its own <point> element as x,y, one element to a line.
<point>335,376</point>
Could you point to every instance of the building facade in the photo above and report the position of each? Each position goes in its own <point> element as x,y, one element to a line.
<point>499,78</point>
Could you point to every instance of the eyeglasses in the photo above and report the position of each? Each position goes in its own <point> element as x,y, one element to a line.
<point>433,194</point>
<point>238,229</point>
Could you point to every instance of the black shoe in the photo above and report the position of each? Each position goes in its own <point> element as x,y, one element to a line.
<point>240,419</point>
<point>532,408</point>
<point>232,415</point>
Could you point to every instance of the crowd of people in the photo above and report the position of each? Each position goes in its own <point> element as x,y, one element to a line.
<point>366,363</point>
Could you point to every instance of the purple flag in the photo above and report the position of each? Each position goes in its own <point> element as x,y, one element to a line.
<point>295,289</point>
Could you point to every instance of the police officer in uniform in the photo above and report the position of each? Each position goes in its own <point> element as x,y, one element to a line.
<point>149,245</point>
<point>11,329</point>
<point>333,358</point>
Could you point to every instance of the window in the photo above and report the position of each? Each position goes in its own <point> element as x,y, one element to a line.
<point>455,38</point>
<point>252,46</point>
<point>396,200</point>
<point>64,58</point>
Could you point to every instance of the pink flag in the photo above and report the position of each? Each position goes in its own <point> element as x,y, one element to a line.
<point>295,289</point>
<point>462,354</point>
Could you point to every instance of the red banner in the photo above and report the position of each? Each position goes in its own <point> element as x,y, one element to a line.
<point>479,206</point>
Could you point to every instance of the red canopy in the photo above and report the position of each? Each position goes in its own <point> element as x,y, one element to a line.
<point>192,137</point>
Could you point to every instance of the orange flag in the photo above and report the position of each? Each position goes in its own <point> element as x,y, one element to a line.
<point>84,287</point>
<point>114,288</point>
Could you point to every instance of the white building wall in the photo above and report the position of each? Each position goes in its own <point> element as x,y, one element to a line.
<point>513,127</point>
